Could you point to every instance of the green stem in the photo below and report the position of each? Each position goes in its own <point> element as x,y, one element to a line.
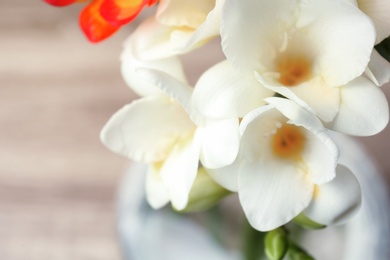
<point>252,242</point>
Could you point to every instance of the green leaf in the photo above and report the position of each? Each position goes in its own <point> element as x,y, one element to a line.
<point>276,244</point>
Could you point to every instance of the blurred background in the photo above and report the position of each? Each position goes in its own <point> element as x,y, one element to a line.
<point>58,183</point>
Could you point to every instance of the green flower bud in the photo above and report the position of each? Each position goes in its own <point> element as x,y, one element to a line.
<point>205,193</point>
<point>276,244</point>
<point>307,223</point>
<point>296,253</point>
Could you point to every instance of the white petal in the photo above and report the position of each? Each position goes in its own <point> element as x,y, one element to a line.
<point>336,201</point>
<point>256,115</point>
<point>220,142</point>
<point>272,193</point>
<point>336,27</point>
<point>223,92</point>
<point>378,11</point>
<point>179,171</point>
<point>251,42</point>
<point>184,13</point>
<point>227,176</point>
<point>168,84</point>
<point>320,156</point>
<point>363,111</point>
<point>171,66</point>
<point>146,129</point>
<point>156,192</point>
<point>314,96</point>
<point>256,129</point>
<point>378,69</point>
<point>295,113</point>
<point>151,41</point>
<point>321,98</point>
<point>207,30</point>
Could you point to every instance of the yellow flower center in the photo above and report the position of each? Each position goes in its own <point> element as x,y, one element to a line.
<point>288,142</point>
<point>293,70</point>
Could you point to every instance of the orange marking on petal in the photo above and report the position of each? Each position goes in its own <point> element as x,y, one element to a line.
<point>120,12</point>
<point>93,24</point>
<point>288,142</point>
<point>60,3</point>
<point>293,70</point>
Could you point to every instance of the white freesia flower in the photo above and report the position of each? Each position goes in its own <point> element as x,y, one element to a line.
<point>294,49</point>
<point>179,26</point>
<point>219,137</point>
<point>158,130</point>
<point>284,153</point>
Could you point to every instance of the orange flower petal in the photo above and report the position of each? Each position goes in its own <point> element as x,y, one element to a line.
<point>92,23</point>
<point>120,12</point>
<point>152,2</point>
<point>60,2</point>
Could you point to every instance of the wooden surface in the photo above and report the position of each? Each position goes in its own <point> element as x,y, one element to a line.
<point>57,182</point>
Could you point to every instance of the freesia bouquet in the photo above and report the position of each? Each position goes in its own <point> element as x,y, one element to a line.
<point>259,123</point>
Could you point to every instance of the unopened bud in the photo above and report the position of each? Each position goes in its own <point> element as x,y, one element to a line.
<point>276,244</point>
<point>204,193</point>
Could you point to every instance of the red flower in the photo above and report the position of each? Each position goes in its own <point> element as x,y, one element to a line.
<point>102,18</point>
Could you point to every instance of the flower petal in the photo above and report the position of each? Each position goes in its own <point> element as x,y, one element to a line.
<point>342,28</point>
<point>378,69</point>
<point>320,156</point>
<point>336,201</point>
<point>179,171</point>
<point>156,192</point>
<point>272,193</point>
<point>146,129</point>
<point>120,12</point>
<point>363,111</point>
<point>142,87</point>
<point>220,142</point>
<point>60,3</point>
<point>168,84</point>
<point>314,96</point>
<point>93,24</point>
<point>227,176</point>
<point>223,92</point>
<point>205,31</point>
<point>184,13</point>
<point>295,113</point>
<point>318,30</point>
<point>248,43</point>
<point>378,11</point>
<point>152,40</point>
